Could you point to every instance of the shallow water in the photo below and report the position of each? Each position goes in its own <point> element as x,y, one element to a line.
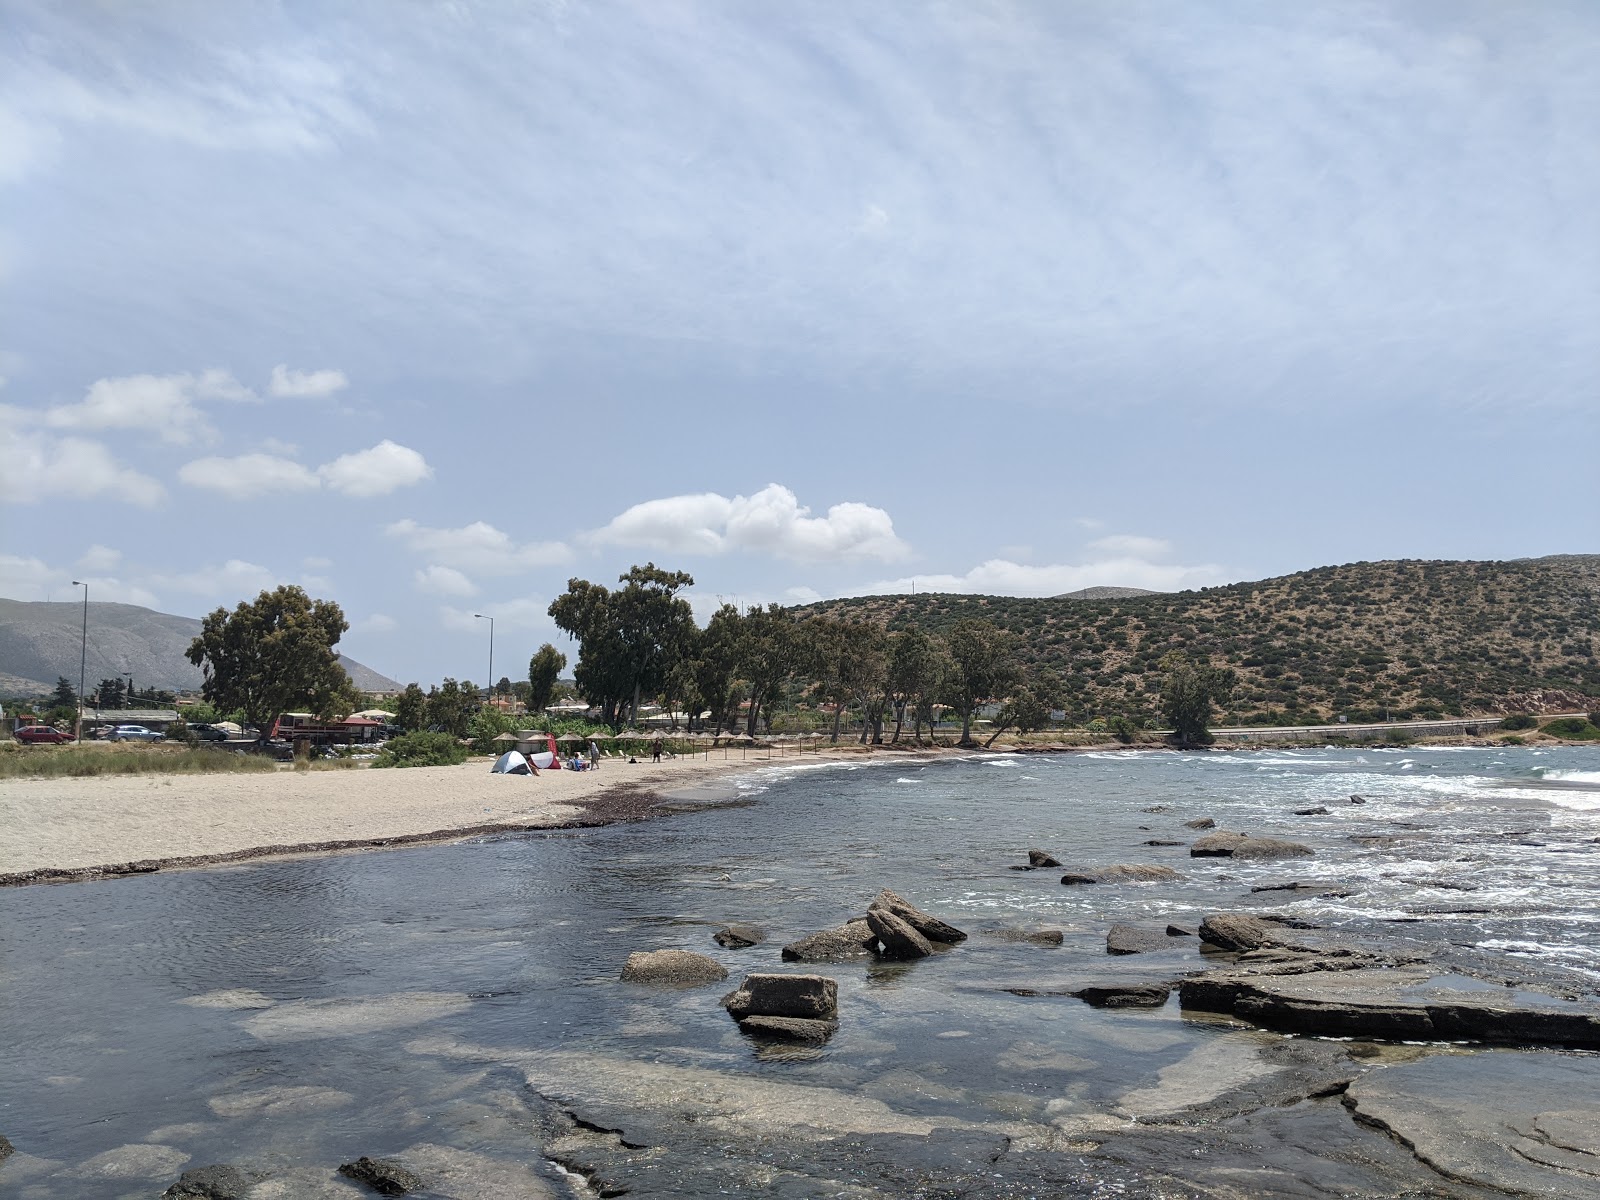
<point>309,1011</point>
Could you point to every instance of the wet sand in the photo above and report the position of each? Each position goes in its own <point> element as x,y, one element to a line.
<point>110,825</point>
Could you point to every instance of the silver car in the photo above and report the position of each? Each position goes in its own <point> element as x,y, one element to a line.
<point>133,733</point>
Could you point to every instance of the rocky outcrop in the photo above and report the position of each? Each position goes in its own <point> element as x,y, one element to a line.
<point>672,968</point>
<point>220,1181</point>
<point>898,938</point>
<point>738,936</point>
<point>1039,859</point>
<point>1244,846</point>
<point>854,939</point>
<point>803,1008</point>
<point>1200,823</point>
<point>1131,939</point>
<point>6,1148</point>
<point>1121,873</point>
<point>1124,995</point>
<point>382,1175</point>
<point>926,924</point>
<point>1235,931</point>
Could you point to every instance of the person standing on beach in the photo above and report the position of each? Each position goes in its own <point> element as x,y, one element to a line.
<point>655,750</point>
<point>594,755</point>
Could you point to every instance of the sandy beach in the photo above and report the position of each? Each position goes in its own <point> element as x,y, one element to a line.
<point>77,824</point>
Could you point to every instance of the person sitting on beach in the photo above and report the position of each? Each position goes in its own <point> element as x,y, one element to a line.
<point>577,762</point>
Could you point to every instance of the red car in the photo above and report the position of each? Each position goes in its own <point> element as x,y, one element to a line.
<point>48,735</point>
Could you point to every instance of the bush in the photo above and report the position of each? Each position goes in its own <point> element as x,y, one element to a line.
<point>421,750</point>
<point>1513,740</point>
<point>1577,729</point>
<point>1518,721</point>
<point>1124,729</point>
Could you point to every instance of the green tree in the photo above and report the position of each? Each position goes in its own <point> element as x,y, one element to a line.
<point>411,709</point>
<point>1188,693</point>
<point>767,657</point>
<point>1026,710</point>
<point>916,672</point>
<point>544,668</point>
<point>450,707</point>
<point>64,695</point>
<point>983,668</point>
<point>108,694</point>
<point>272,655</point>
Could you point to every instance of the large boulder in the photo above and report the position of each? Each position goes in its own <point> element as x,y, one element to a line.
<point>899,938</point>
<point>217,1182</point>
<point>1124,995</point>
<point>1236,931</point>
<point>1121,873</point>
<point>1038,859</point>
<point>382,1176</point>
<point>926,924</point>
<point>672,968</point>
<point>854,939</point>
<point>1130,939</point>
<point>810,997</point>
<point>1200,823</point>
<point>738,936</point>
<point>6,1148</point>
<point>1243,846</point>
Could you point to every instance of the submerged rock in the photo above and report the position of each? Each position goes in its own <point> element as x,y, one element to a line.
<point>1162,842</point>
<point>1131,939</point>
<point>926,924</point>
<point>1039,937</point>
<point>1124,995</point>
<point>1121,873</point>
<point>1242,845</point>
<point>1358,799</point>
<point>383,1176</point>
<point>6,1148</point>
<point>854,939</point>
<point>219,1181</point>
<point>812,997</point>
<point>672,968</point>
<point>738,936</point>
<point>1235,931</point>
<point>1179,931</point>
<point>1303,885</point>
<point>899,939</point>
<point>793,1029</point>
<point>1318,811</point>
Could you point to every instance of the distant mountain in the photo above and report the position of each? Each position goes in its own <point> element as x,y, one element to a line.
<point>1106,593</point>
<point>41,641</point>
<point>1372,640</point>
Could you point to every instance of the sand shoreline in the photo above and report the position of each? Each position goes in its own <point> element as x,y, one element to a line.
<point>64,830</point>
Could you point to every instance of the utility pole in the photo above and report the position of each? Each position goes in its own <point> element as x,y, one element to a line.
<point>482,617</point>
<point>83,655</point>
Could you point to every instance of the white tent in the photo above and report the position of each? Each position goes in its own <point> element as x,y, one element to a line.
<point>511,763</point>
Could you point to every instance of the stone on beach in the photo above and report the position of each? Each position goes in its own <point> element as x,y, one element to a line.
<point>738,936</point>
<point>220,1181</point>
<point>1039,937</point>
<point>1131,939</point>
<point>673,968</point>
<point>1235,931</point>
<point>382,1176</point>
<point>854,939</point>
<point>1121,873</point>
<point>1124,995</point>
<point>899,938</point>
<point>1244,846</point>
<point>926,924</point>
<point>1200,823</point>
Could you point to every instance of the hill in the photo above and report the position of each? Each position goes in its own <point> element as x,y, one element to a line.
<point>1379,641</point>
<point>1106,593</point>
<point>41,641</point>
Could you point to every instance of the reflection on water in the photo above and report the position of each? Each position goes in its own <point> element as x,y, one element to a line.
<point>308,1011</point>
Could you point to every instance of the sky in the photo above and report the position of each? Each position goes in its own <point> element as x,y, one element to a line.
<point>429,308</point>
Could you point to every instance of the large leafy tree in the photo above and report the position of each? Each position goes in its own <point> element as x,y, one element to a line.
<point>272,655</point>
<point>767,658</point>
<point>450,707</point>
<point>411,709</point>
<point>917,665</point>
<point>109,693</point>
<point>630,639</point>
<point>544,668</point>
<point>1188,693</point>
<point>983,668</point>
<point>65,695</point>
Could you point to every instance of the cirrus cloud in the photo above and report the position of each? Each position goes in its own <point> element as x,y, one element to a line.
<point>772,521</point>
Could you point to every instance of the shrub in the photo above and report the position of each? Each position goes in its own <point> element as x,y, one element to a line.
<point>1124,729</point>
<point>1518,721</point>
<point>1513,740</point>
<point>421,750</point>
<point>1572,729</point>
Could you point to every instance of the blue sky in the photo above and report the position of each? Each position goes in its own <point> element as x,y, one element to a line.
<point>430,307</point>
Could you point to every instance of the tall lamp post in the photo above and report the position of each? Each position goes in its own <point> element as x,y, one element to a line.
<point>483,617</point>
<point>83,654</point>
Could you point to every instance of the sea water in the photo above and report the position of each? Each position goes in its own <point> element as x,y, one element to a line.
<point>303,1012</point>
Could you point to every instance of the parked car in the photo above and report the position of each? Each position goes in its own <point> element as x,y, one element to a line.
<point>209,733</point>
<point>133,733</point>
<point>41,735</point>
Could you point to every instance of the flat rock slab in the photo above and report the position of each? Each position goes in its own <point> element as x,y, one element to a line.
<point>926,924</point>
<point>1526,1124</point>
<point>1121,873</point>
<point>1243,845</point>
<point>1038,937</point>
<point>1131,939</point>
<point>1125,995</point>
<point>854,939</point>
<point>790,1029</point>
<point>810,997</point>
<point>738,936</point>
<point>899,938</point>
<point>672,968</point>
<point>1236,931</point>
<point>1405,1003</point>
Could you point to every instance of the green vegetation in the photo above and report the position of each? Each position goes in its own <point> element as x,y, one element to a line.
<point>1572,729</point>
<point>544,668</point>
<point>1188,692</point>
<point>275,656</point>
<point>1518,721</point>
<point>421,750</point>
<point>55,762</point>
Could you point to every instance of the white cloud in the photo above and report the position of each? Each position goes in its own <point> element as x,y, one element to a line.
<point>1002,577</point>
<point>526,612</point>
<point>1132,545</point>
<point>306,384</point>
<point>164,405</point>
<point>100,558</point>
<point>33,579</point>
<point>772,522</point>
<point>478,547</point>
<point>235,579</point>
<point>444,581</point>
<point>316,562</point>
<point>376,471</point>
<point>36,466</point>
<point>377,623</point>
<point>248,475</point>
<point>363,473</point>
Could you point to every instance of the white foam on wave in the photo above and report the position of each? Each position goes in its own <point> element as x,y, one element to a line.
<point>1567,776</point>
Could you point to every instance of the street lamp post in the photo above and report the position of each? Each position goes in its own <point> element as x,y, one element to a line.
<point>483,617</point>
<point>83,654</point>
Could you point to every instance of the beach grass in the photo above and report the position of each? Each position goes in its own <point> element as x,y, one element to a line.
<point>64,762</point>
